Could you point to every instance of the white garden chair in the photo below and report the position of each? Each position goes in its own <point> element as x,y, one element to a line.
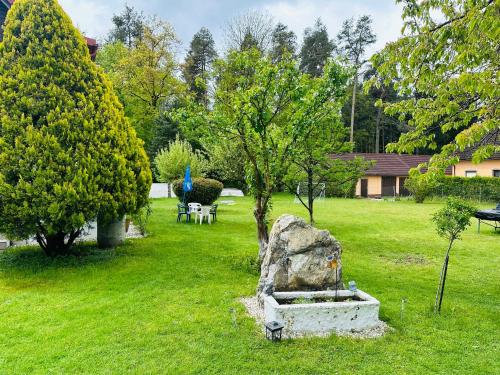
<point>204,212</point>
<point>194,208</point>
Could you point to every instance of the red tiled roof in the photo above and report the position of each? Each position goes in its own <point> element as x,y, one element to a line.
<point>388,164</point>
<point>492,138</point>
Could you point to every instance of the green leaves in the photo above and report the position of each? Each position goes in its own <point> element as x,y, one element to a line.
<point>171,162</point>
<point>453,218</point>
<point>451,65</point>
<point>67,154</point>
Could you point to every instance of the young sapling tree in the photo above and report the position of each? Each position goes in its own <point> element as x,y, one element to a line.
<point>451,221</point>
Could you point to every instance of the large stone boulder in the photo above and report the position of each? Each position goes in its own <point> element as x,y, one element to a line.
<point>300,257</point>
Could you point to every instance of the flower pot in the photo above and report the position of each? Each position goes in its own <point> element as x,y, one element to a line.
<point>110,233</point>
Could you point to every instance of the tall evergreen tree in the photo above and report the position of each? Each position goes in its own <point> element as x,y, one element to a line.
<point>353,39</point>
<point>127,27</point>
<point>316,49</point>
<point>67,153</point>
<point>198,62</point>
<point>283,41</point>
<point>249,42</point>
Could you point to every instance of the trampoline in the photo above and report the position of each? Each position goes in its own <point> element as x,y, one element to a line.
<point>487,216</point>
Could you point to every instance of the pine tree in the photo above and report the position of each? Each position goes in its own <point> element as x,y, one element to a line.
<point>128,27</point>
<point>198,62</point>
<point>353,40</point>
<point>283,41</point>
<point>316,49</point>
<point>67,154</point>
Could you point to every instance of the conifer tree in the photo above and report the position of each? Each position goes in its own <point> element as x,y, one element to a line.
<point>198,62</point>
<point>283,41</point>
<point>67,154</point>
<point>316,49</point>
<point>353,40</point>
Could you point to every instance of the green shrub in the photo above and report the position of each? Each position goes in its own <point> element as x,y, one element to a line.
<point>474,188</point>
<point>171,162</point>
<point>141,218</point>
<point>346,190</point>
<point>205,190</point>
<point>419,186</point>
<point>67,152</point>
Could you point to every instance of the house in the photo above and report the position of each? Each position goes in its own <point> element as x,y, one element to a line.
<point>388,175</point>
<point>5,6</point>
<point>488,168</point>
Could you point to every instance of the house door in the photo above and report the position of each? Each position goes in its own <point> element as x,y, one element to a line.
<point>402,190</point>
<point>388,186</point>
<point>364,187</point>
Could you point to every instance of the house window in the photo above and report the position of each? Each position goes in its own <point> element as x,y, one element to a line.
<point>470,173</point>
<point>496,173</point>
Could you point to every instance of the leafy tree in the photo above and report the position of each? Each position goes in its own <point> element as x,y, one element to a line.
<point>316,49</point>
<point>317,114</point>
<point>446,64</point>
<point>256,106</point>
<point>248,30</point>
<point>171,162</point>
<point>67,154</point>
<point>419,185</point>
<point>353,39</point>
<point>128,27</point>
<point>226,163</point>
<point>198,62</point>
<point>344,175</point>
<point>109,57</point>
<point>450,222</point>
<point>146,79</point>
<point>282,41</point>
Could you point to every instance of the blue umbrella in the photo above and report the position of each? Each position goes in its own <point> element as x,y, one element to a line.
<point>187,186</point>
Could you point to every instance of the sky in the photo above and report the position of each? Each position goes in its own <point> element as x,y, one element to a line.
<point>93,17</point>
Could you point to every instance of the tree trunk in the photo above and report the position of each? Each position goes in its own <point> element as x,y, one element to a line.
<point>442,281</point>
<point>354,88</point>
<point>56,244</point>
<point>310,196</point>
<point>262,230</point>
<point>377,130</point>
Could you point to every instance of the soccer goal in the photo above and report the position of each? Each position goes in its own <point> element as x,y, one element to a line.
<point>319,191</point>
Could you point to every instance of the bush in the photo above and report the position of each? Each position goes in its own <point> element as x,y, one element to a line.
<point>474,188</point>
<point>346,190</point>
<point>205,190</point>
<point>419,186</point>
<point>67,153</point>
<point>141,218</point>
<point>171,162</point>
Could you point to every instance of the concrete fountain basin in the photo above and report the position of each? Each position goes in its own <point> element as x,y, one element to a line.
<point>323,312</point>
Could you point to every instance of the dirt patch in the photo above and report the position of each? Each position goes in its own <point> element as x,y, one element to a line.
<point>411,259</point>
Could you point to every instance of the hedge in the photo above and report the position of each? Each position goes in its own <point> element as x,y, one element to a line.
<point>475,188</point>
<point>205,190</point>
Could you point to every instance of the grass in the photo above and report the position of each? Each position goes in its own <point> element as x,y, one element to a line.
<point>169,303</point>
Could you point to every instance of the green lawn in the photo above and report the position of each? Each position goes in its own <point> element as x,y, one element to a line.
<point>168,303</point>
